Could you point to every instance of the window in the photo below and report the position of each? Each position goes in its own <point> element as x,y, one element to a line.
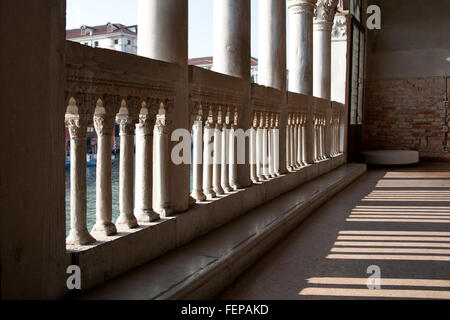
<point>116,41</point>
<point>129,42</point>
<point>86,43</point>
<point>96,43</point>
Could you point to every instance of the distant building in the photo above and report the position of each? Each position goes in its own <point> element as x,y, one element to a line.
<point>114,36</point>
<point>207,63</point>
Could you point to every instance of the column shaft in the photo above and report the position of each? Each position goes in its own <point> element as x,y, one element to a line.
<point>126,172</point>
<point>301,46</point>
<point>272,44</point>
<point>103,126</point>
<point>78,234</point>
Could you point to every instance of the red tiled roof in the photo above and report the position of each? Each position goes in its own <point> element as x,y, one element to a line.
<point>209,60</point>
<point>99,30</point>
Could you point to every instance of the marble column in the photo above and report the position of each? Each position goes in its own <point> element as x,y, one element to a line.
<point>276,146</point>
<point>163,35</point>
<point>272,44</point>
<point>300,141</point>
<point>144,151</point>
<point>224,176</point>
<point>303,128</point>
<point>231,42</point>
<point>208,136</point>
<point>253,155</point>
<point>270,145</point>
<point>78,234</point>
<point>197,167</point>
<point>104,124</point>
<point>126,171</point>
<point>163,30</point>
<point>217,156</point>
<point>233,166</point>
<point>161,201</point>
<point>301,13</point>
<point>259,148</point>
<point>323,23</point>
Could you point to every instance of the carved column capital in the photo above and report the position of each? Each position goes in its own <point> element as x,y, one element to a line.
<point>145,124</point>
<point>77,126</point>
<point>325,11</point>
<point>126,123</point>
<point>301,6</point>
<point>339,32</point>
<point>103,124</point>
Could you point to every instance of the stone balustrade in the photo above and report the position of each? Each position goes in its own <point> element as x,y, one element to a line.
<point>231,141</point>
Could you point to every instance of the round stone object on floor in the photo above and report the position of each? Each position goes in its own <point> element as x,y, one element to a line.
<point>390,157</point>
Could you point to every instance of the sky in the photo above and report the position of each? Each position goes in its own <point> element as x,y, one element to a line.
<point>98,12</point>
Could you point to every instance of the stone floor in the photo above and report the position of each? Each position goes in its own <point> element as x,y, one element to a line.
<point>395,221</point>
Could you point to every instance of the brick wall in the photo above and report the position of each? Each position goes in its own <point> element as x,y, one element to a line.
<point>405,114</point>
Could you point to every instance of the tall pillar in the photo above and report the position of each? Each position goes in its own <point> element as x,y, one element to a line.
<point>301,14</point>
<point>78,234</point>
<point>323,23</point>
<point>126,172</point>
<point>231,43</point>
<point>272,44</point>
<point>163,30</point>
<point>103,124</point>
<point>163,35</point>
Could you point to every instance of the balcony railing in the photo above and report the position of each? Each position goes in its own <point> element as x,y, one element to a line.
<point>241,133</point>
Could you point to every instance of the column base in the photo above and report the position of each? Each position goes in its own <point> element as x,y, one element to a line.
<point>218,190</point>
<point>146,215</point>
<point>226,188</point>
<point>108,228</point>
<point>198,195</point>
<point>164,212</point>
<point>79,237</point>
<point>210,194</point>
<point>127,219</point>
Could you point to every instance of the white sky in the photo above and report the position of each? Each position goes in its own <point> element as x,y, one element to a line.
<point>98,12</point>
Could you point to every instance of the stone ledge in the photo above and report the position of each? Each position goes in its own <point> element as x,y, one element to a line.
<point>205,266</point>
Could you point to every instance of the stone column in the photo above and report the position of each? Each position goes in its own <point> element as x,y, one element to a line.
<point>197,167</point>
<point>300,141</point>
<point>304,139</point>
<point>272,44</point>
<point>163,30</point>
<point>323,23</point>
<point>126,171</point>
<point>208,136</point>
<point>301,14</point>
<point>265,144</point>
<point>163,35</point>
<point>231,43</point>
<point>161,204</point>
<point>224,176</point>
<point>103,126</point>
<point>253,155</point>
<point>78,234</point>
<point>233,167</point>
<point>217,157</point>
<point>276,146</point>
<point>144,150</point>
<point>270,145</point>
<point>259,148</point>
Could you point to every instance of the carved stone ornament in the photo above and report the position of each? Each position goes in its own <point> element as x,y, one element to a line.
<point>325,11</point>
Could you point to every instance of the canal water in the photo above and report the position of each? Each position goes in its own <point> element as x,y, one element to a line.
<point>90,181</point>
